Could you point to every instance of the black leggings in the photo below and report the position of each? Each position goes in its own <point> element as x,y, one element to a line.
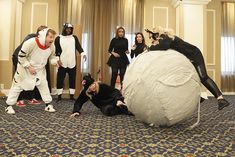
<point>205,79</point>
<point>122,72</point>
<point>61,76</point>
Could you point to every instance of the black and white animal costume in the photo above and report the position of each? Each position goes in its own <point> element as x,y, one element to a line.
<point>28,95</point>
<point>105,98</point>
<point>120,46</point>
<point>195,56</point>
<point>33,53</point>
<point>66,46</point>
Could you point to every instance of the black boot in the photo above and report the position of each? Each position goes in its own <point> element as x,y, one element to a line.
<point>202,99</point>
<point>71,97</point>
<point>59,98</point>
<point>125,110</point>
<point>222,103</point>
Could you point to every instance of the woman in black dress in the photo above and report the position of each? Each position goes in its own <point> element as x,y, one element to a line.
<point>139,45</point>
<point>118,60</point>
<point>165,40</point>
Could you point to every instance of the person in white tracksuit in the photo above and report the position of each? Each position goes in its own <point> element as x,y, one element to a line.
<point>31,71</point>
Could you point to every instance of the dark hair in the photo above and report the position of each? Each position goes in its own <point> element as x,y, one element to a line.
<point>118,30</point>
<point>143,39</point>
<point>51,31</point>
<point>40,28</point>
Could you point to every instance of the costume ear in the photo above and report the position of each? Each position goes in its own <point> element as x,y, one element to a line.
<point>89,75</point>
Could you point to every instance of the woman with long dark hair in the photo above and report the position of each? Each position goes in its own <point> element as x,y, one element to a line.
<point>139,45</point>
<point>118,60</point>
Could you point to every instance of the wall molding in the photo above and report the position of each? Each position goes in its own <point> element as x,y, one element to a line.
<point>32,14</point>
<point>167,15</point>
<point>213,73</point>
<point>176,3</point>
<point>214,37</point>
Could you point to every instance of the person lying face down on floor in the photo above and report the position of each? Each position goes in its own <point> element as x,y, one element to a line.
<point>108,99</point>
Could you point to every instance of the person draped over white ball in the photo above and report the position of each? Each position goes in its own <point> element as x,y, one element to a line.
<point>164,39</point>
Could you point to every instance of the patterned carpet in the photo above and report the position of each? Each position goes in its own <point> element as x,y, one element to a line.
<point>34,132</point>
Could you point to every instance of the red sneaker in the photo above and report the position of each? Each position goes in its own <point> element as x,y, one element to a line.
<point>34,102</point>
<point>20,103</point>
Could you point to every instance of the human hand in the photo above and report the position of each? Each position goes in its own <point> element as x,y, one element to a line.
<point>32,71</point>
<point>115,54</point>
<point>75,114</point>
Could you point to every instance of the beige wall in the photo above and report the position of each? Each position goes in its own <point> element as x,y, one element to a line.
<point>6,44</point>
<point>34,13</point>
<point>158,13</point>
<point>214,40</point>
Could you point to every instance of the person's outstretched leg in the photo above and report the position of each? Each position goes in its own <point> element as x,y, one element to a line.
<point>210,84</point>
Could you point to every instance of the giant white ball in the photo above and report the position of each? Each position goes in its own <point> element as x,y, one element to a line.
<point>161,87</point>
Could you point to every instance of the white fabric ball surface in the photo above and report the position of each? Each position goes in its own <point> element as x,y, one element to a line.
<point>161,87</point>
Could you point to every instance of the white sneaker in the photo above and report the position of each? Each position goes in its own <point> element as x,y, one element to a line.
<point>10,110</point>
<point>50,108</point>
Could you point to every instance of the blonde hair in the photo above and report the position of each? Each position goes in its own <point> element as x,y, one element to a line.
<point>96,90</point>
<point>166,31</point>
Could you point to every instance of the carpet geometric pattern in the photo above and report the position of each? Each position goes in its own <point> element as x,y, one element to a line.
<point>34,132</point>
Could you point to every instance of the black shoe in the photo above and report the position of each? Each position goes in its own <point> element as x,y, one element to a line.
<point>202,99</point>
<point>71,97</point>
<point>59,98</point>
<point>222,104</point>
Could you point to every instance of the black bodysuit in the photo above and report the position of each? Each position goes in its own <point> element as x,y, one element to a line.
<point>193,54</point>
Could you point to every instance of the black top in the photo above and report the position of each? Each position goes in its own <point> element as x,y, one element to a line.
<point>58,49</point>
<point>140,47</point>
<point>17,50</point>
<point>187,49</point>
<point>120,46</point>
<point>107,95</point>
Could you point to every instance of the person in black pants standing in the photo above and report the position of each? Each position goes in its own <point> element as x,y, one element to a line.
<point>118,60</point>
<point>66,46</point>
<point>165,39</point>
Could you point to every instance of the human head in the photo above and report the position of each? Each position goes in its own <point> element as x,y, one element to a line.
<point>67,29</point>
<point>139,38</point>
<point>50,36</point>
<point>92,88</point>
<point>87,81</point>
<point>120,32</point>
<point>40,28</point>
